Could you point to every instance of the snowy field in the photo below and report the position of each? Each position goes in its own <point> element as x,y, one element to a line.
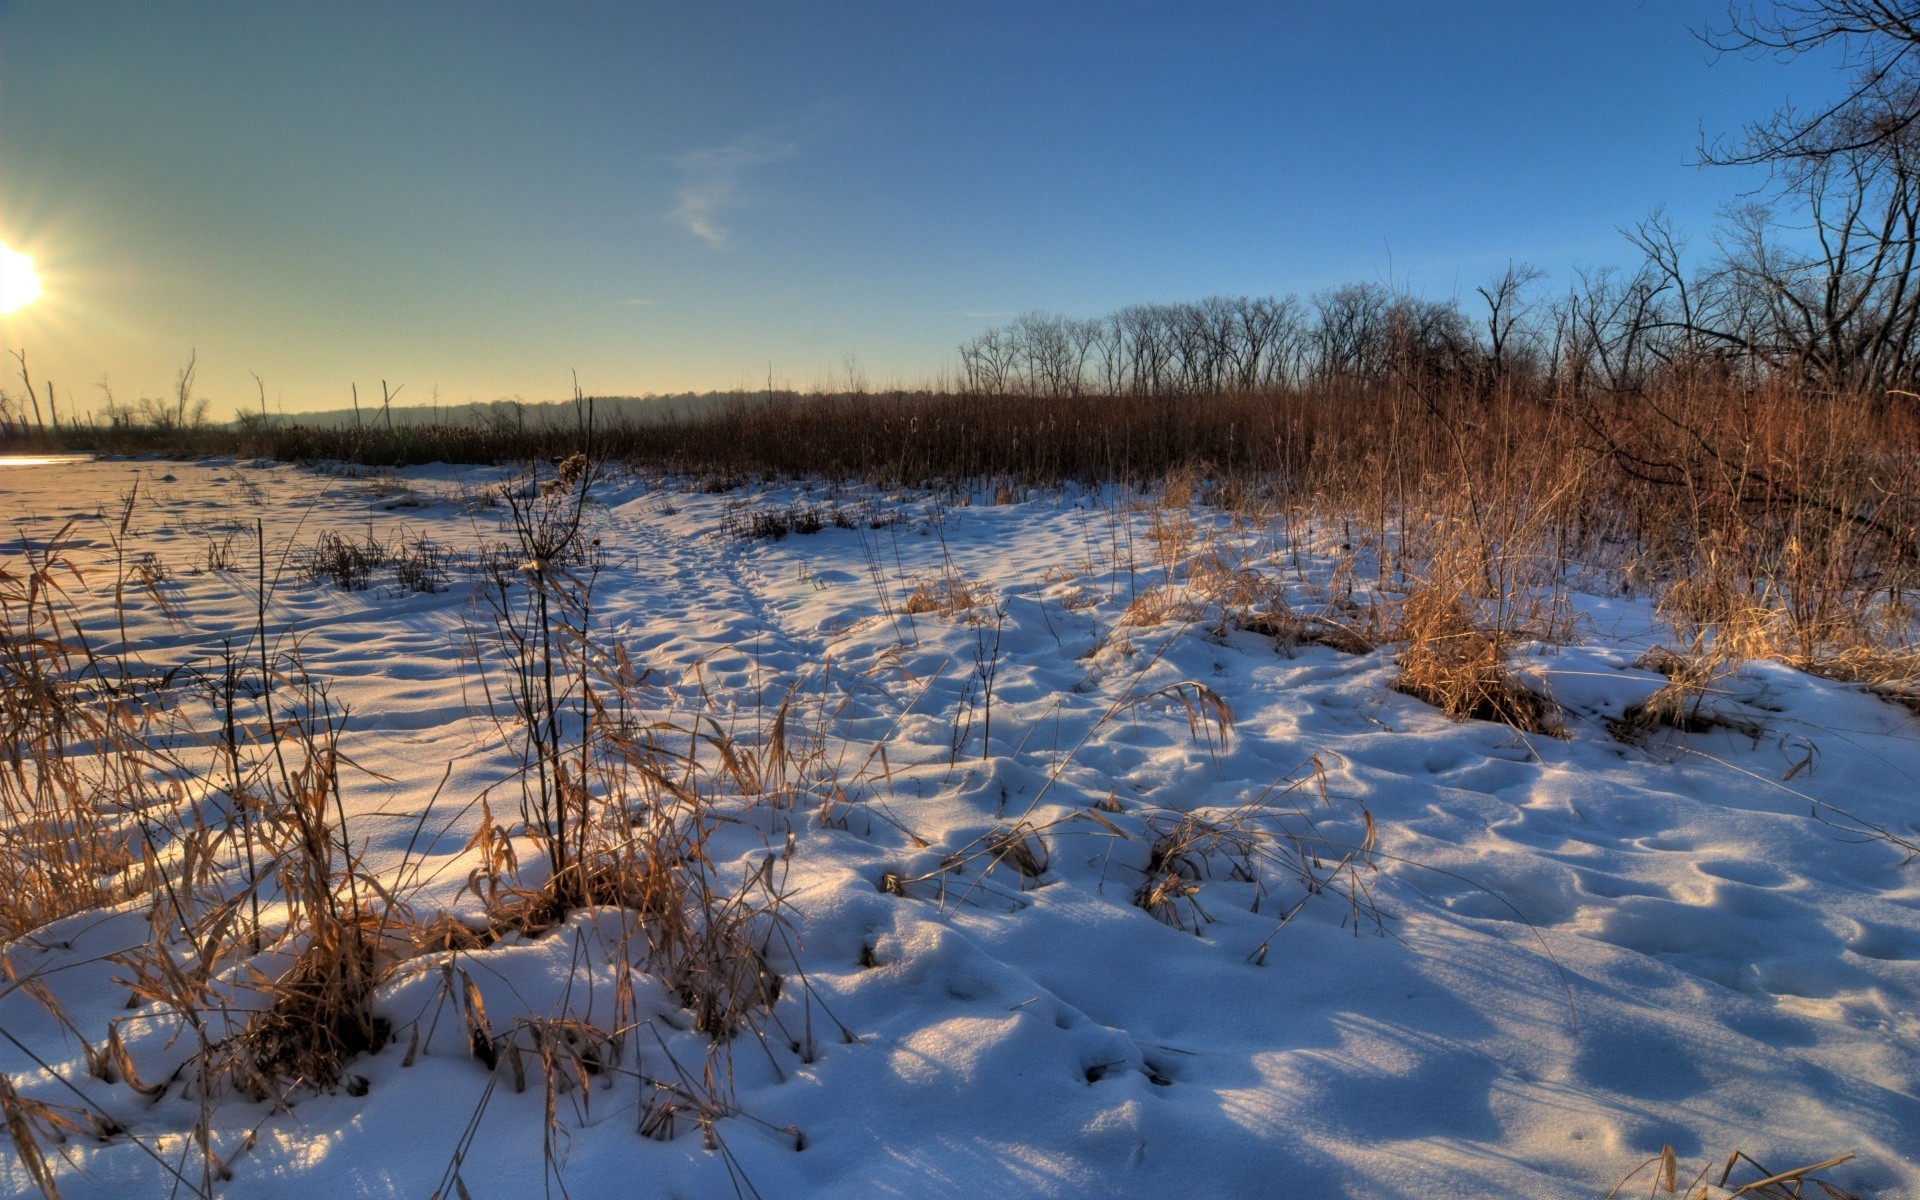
<point>1560,954</point>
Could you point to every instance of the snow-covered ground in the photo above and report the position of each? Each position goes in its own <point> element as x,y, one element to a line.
<point>1566,953</point>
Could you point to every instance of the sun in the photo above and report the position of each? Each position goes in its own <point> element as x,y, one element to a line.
<point>19,282</point>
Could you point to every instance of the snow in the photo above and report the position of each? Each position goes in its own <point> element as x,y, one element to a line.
<point>1579,950</point>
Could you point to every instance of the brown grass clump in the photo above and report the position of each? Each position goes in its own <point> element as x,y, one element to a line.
<point>1179,862</point>
<point>321,1016</point>
<point>1217,581</point>
<point>1821,625</point>
<point>1290,629</point>
<point>1021,849</point>
<point>1172,533</point>
<point>1455,664</point>
<point>1685,703</point>
<point>349,564</point>
<point>947,594</point>
<point>1214,591</point>
<point>1662,660</point>
<point>1801,608</point>
<point>1181,486</point>
<point>1225,593</point>
<point>1154,605</point>
<point>621,819</point>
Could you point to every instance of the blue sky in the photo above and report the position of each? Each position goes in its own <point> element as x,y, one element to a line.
<point>478,198</point>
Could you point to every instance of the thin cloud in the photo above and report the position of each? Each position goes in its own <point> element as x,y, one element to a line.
<point>711,182</point>
<point>635,302</point>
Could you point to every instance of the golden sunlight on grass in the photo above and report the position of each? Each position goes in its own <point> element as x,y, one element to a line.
<point>19,282</point>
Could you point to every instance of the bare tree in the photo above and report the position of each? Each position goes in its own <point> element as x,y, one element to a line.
<point>1606,331</point>
<point>183,392</point>
<point>1844,311</point>
<point>1820,279</point>
<point>26,381</point>
<point>986,362</point>
<point>1150,349</point>
<point>1878,42</point>
<point>1507,311</point>
<point>1349,337</point>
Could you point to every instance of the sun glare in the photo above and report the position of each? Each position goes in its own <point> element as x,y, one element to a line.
<point>19,282</point>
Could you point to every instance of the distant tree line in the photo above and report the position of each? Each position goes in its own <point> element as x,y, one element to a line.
<point>1815,281</point>
<point>1220,344</point>
<point>1831,302</point>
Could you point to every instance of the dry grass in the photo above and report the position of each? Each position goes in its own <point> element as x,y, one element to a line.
<point>1868,642</point>
<point>1023,850</point>
<point>1453,660</point>
<point>1690,700</point>
<point>320,1013</point>
<point>1179,862</point>
<point>1155,605</point>
<point>946,594</point>
<point>1759,1182</point>
<point>1285,836</point>
<point>348,563</point>
<point>1290,629</point>
<point>78,755</point>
